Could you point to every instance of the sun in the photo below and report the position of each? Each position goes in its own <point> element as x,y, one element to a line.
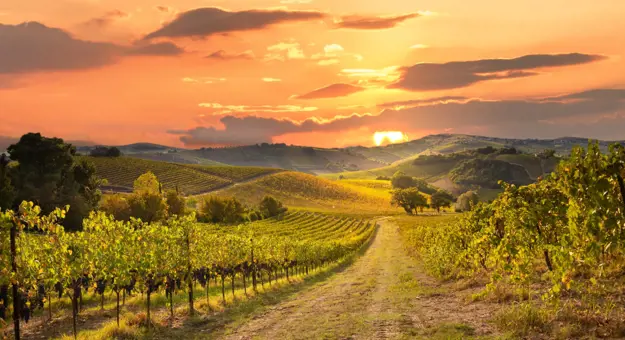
<point>388,137</point>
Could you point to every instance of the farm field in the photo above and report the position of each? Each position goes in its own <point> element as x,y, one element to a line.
<point>301,190</point>
<point>243,262</point>
<point>121,172</point>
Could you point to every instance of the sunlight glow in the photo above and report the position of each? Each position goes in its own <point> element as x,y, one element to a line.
<point>390,137</point>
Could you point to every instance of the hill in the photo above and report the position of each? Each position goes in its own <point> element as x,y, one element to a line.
<point>322,161</point>
<point>297,189</point>
<point>478,169</point>
<point>121,172</point>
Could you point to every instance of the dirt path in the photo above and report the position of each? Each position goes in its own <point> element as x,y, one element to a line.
<point>383,295</point>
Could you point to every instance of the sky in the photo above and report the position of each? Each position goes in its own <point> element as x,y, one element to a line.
<point>326,73</point>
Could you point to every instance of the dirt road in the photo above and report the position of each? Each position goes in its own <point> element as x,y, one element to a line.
<point>383,295</point>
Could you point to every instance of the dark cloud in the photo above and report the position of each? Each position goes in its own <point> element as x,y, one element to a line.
<point>106,19</point>
<point>372,23</point>
<point>223,55</point>
<point>33,47</point>
<point>457,74</point>
<point>157,49</point>
<point>203,22</point>
<point>331,91</point>
<point>594,114</point>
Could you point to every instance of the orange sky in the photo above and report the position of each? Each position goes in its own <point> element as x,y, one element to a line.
<point>116,98</point>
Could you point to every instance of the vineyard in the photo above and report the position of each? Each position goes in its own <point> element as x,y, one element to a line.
<point>41,263</point>
<point>234,173</point>
<point>302,190</point>
<point>120,172</point>
<point>559,241</point>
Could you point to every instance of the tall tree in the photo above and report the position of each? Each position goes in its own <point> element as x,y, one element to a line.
<point>410,199</point>
<point>47,173</point>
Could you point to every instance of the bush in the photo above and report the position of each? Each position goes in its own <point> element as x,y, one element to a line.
<point>116,205</point>
<point>103,151</point>
<point>215,209</point>
<point>270,207</point>
<point>467,201</point>
<point>176,203</point>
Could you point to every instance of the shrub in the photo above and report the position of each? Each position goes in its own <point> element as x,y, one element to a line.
<point>270,207</point>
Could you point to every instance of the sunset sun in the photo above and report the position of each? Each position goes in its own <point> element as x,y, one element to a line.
<point>388,137</point>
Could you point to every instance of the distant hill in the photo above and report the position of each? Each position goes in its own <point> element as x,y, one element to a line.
<point>322,161</point>
<point>477,169</point>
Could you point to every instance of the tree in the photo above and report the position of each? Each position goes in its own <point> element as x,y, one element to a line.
<point>441,199</point>
<point>222,210</point>
<point>103,151</point>
<point>467,201</point>
<point>116,205</point>
<point>410,199</point>
<point>146,201</point>
<point>401,181</point>
<point>176,203</point>
<point>270,207</point>
<point>7,192</point>
<point>47,173</point>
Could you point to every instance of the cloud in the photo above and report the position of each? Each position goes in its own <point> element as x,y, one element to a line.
<point>203,80</point>
<point>223,55</point>
<point>106,19</point>
<point>217,109</point>
<point>596,113</point>
<point>419,102</point>
<point>285,51</point>
<point>331,91</point>
<point>164,9</point>
<point>156,49</point>
<point>204,22</point>
<point>271,80</point>
<point>458,74</point>
<point>34,47</point>
<point>291,2</point>
<point>372,22</point>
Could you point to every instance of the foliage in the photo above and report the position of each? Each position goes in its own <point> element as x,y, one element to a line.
<point>7,192</point>
<point>48,173</point>
<point>103,151</point>
<point>568,228</point>
<point>216,209</point>
<point>270,207</point>
<point>409,199</point>
<point>401,181</point>
<point>441,199</point>
<point>467,201</point>
<point>117,206</point>
<point>150,257</point>
<point>176,203</point>
<point>488,172</point>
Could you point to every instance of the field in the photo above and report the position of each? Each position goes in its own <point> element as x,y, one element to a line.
<point>285,251</point>
<point>300,190</point>
<point>121,173</point>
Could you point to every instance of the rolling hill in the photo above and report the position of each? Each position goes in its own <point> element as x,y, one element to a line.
<point>121,172</point>
<point>321,161</point>
<point>296,189</point>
